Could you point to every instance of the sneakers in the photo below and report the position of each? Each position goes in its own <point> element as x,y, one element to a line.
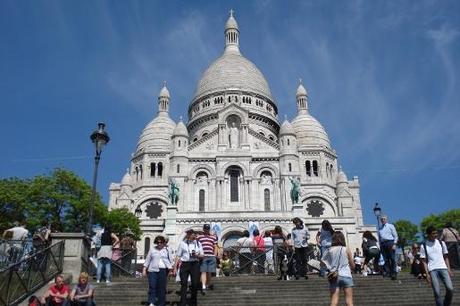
<point>151,304</point>
<point>364,273</point>
<point>98,281</point>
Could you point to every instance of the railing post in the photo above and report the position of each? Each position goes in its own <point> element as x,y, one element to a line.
<point>76,252</point>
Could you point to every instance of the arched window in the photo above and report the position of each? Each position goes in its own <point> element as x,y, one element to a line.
<point>201,200</point>
<point>178,168</point>
<point>267,199</point>
<point>160,169</point>
<point>178,143</point>
<point>204,134</point>
<point>288,142</point>
<point>146,246</point>
<point>290,167</point>
<point>315,168</point>
<point>327,169</point>
<point>308,167</point>
<point>234,184</point>
<point>195,139</point>
<point>137,174</point>
<point>331,170</point>
<point>152,169</point>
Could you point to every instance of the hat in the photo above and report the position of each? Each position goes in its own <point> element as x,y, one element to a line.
<point>206,227</point>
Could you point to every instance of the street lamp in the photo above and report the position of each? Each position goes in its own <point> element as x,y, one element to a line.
<point>377,213</point>
<point>138,211</point>
<point>100,138</point>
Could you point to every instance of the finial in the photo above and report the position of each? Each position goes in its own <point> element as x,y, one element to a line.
<point>231,12</point>
<point>300,81</point>
<point>180,118</point>
<point>164,83</point>
<point>285,117</point>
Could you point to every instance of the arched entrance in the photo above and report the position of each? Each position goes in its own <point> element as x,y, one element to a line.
<point>229,239</point>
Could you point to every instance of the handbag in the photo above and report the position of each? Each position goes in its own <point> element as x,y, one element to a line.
<point>332,276</point>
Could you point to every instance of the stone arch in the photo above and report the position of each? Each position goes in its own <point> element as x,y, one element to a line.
<point>145,200</point>
<point>263,167</point>
<point>202,167</point>
<point>229,164</point>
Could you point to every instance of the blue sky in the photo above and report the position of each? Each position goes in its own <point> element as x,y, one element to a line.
<point>382,77</point>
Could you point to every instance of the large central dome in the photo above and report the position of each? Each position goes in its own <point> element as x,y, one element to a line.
<point>232,70</point>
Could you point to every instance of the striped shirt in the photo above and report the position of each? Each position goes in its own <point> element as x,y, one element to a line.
<point>208,242</point>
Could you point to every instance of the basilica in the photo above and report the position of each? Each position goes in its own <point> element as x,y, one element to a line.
<point>234,164</point>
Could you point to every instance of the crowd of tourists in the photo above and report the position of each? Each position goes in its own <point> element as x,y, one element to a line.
<point>199,257</point>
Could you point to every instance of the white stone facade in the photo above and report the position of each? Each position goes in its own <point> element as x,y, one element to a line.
<point>233,161</point>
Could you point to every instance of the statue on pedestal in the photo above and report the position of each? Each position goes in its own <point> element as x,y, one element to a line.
<point>173,191</point>
<point>295,190</point>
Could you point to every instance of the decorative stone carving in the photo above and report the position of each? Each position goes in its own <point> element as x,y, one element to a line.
<point>154,210</point>
<point>315,208</point>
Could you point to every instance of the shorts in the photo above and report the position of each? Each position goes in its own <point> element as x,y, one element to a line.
<point>342,282</point>
<point>208,264</point>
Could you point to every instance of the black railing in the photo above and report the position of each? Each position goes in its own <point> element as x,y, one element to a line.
<point>125,264</point>
<point>253,260</point>
<point>24,277</point>
<point>12,251</point>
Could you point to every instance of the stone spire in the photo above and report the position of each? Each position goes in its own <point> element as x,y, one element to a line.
<point>302,99</point>
<point>163,99</point>
<point>232,35</point>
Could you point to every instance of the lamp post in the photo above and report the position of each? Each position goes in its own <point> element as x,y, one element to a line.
<point>100,138</point>
<point>377,213</point>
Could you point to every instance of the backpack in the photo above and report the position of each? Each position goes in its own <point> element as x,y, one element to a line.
<point>38,239</point>
<point>259,244</point>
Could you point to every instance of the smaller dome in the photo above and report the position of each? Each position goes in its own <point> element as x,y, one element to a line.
<point>180,130</point>
<point>164,92</point>
<point>310,132</point>
<point>286,128</point>
<point>342,177</point>
<point>301,91</point>
<point>156,136</point>
<point>231,22</point>
<point>127,180</point>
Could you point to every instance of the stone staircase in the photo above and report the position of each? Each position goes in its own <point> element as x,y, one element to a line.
<point>266,290</point>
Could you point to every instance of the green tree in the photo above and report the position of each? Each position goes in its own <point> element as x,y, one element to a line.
<point>121,220</point>
<point>13,201</point>
<point>407,231</point>
<point>62,198</point>
<point>439,221</point>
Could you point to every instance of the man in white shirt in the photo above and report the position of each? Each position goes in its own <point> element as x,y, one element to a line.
<point>434,256</point>
<point>388,238</point>
<point>189,253</point>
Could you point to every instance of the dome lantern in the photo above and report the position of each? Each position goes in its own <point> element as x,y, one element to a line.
<point>163,99</point>
<point>302,99</point>
<point>232,35</point>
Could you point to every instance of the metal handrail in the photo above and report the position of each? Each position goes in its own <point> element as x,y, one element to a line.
<point>12,251</point>
<point>266,260</point>
<point>20,279</point>
<point>124,264</point>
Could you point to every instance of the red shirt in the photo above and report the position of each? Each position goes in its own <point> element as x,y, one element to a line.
<point>54,289</point>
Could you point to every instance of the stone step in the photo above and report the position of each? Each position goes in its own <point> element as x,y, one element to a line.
<point>266,290</point>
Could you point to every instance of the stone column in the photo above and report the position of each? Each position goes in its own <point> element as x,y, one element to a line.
<point>276,191</point>
<point>77,250</point>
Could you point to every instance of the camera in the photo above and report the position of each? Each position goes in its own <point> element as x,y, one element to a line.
<point>193,254</point>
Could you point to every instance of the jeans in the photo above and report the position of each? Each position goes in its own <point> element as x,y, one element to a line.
<point>323,249</point>
<point>88,302</point>
<point>386,247</point>
<point>443,275</point>
<point>157,287</point>
<point>107,265</point>
<point>191,268</point>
